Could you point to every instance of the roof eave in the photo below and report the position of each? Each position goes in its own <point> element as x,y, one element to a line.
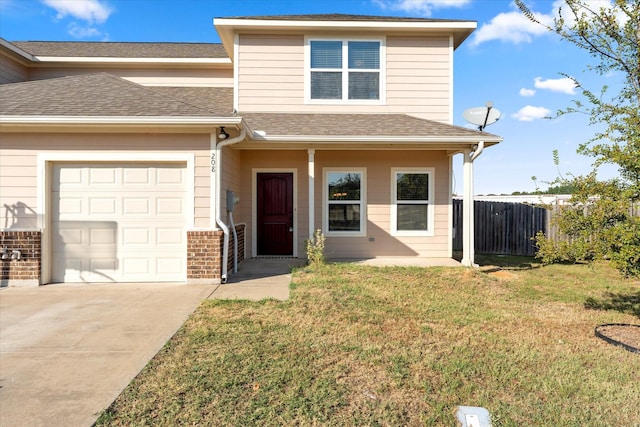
<point>190,124</point>
<point>377,139</point>
<point>17,53</point>
<point>227,27</point>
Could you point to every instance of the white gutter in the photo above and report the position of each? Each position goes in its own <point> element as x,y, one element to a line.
<point>110,120</point>
<point>337,139</point>
<point>127,60</point>
<point>217,196</point>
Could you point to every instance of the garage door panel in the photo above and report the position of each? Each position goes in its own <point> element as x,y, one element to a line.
<point>167,265</point>
<point>136,176</point>
<point>136,206</point>
<point>103,175</point>
<point>170,176</point>
<point>102,206</point>
<point>103,236</point>
<point>68,176</point>
<point>169,206</point>
<point>118,223</point>
<point>136,266</point>
<point>169,236</point>
<point>136,236</point>
<point>69,206</point>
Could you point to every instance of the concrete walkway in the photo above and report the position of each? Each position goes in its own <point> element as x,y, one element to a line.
<point>67,351</point>
<point>259,278</point>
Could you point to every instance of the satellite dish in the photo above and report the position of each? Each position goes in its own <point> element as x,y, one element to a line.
<point>482,116</point>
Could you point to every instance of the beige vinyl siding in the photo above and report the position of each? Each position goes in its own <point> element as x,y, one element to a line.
<point>270,73</point>
<point>222,77</point>
<point>271,77</point>
<point>18,163</point>
<point>378,165</point>
<point>17,187</point>
<point>419,76</point>
<point>12,71</point>
<point>378,242</point>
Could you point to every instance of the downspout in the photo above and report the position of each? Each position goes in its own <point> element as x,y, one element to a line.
<point>468,222</point>
<point>217,195</point>
<point>477,151</point>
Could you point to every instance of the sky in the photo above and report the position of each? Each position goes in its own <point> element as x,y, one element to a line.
<point>509,61</point>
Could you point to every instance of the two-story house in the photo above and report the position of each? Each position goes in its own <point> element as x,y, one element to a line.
<point>169,161</point>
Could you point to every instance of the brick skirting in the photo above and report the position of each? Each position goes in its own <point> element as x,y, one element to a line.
<point>24,271</point>
<point>204,256</point>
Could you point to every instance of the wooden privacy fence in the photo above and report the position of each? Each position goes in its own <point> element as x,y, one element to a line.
<point>501,228</point>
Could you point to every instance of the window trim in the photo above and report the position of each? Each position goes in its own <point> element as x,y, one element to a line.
<point>363,202</point>
<point>393,223</point>
<point>345,72</point>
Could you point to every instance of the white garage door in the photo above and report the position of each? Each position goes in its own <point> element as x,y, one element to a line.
<point>118,222</point>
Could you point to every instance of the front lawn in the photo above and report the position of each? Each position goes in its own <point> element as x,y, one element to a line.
<point>360,345</point>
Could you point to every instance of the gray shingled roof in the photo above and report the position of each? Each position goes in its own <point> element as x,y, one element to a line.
<point>122,50</point>
<point>218,100</point>
<point>340,17</point>
<point>99,94</point>
<point>105,95</point>
<point>353,125</point>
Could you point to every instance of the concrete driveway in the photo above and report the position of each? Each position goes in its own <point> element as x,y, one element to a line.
<point>67,351</point>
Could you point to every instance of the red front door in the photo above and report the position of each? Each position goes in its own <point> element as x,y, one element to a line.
<point>275,213</point>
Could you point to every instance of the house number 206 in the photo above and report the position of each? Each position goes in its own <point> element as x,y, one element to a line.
<point>213,162</point>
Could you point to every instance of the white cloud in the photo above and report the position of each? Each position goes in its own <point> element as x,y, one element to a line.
<point>421,7</point>
<point>563,85</point>
<point>512,27</point>
<point>531,113</point>
<point>79,32</point>
<point>527,92</point>
<point>92,11</point>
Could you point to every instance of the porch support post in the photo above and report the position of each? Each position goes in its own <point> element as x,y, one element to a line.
<point>467,212</point>
<point>312,174</point>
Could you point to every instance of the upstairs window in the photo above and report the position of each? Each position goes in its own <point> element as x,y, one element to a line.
<point>345,71</point>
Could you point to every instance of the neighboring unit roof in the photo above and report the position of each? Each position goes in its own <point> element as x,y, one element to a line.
<point>121,50</point>
<point>99,94</point>
<point>218,100</point>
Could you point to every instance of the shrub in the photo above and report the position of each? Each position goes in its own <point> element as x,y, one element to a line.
<point>315,248</point>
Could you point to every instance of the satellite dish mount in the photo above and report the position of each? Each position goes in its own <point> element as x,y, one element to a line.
<point>482,116</point>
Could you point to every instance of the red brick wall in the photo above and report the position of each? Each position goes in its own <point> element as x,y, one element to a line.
<point>27,269</point>
<point>204,255</point>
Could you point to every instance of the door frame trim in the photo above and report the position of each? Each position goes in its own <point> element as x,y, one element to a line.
<point>254,206</point>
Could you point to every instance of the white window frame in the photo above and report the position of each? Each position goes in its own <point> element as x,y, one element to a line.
<point>362,202</point>
<point>345,72</point>
<point>430,231</point>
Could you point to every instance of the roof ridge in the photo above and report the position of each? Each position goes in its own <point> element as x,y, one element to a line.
<point>107,42</point>
<point>342,17</point>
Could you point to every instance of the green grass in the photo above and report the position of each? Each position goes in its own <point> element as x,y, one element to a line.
<point>360,345</point>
